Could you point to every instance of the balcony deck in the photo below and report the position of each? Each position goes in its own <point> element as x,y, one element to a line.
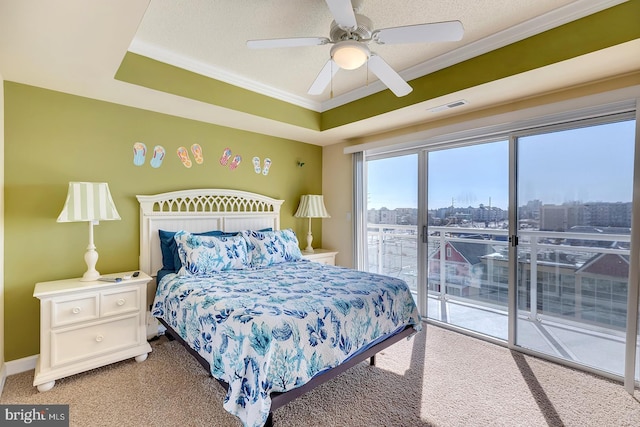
<point>598,350</point>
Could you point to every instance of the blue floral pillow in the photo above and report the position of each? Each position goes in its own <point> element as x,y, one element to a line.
<point>203,255</point>
<point>272,247</point>
<point>170,257</point>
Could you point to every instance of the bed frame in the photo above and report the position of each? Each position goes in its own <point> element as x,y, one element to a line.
<point>226,210</point>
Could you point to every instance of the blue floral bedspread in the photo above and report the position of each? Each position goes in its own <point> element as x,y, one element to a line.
<point>272,329</point>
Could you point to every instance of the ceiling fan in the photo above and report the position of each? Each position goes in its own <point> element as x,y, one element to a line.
<point>350,34</point>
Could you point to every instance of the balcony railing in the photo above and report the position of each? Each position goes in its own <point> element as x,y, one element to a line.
<point>392,250</point>
<point>573,276</point>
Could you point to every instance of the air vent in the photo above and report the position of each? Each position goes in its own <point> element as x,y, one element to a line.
<point>450,105</point>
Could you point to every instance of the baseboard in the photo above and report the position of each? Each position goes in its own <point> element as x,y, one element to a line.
<point>21,365</point>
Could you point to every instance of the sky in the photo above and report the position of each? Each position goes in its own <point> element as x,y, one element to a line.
<point>586,164</point>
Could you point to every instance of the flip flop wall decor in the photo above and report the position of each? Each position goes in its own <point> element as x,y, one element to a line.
<point>139,153</point>
<point>183,154</point>
<point>235,162</point>
<point>227,158</point>
<point>226,155</point>
<point>196,149</point>
<point>158,156</point>
<point>256,165</point>
<point>267,166</point>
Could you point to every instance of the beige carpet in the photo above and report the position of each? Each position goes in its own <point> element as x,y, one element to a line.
<point>438,378</point>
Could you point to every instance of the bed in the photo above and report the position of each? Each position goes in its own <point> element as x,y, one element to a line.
<point>268,324</point>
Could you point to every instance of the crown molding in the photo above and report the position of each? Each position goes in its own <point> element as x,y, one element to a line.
<point>555,18</point>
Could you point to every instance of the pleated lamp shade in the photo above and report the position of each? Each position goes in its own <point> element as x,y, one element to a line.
<point>312,206</point>
<point>88,201</point>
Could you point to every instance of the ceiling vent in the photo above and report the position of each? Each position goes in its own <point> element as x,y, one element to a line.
<point>450,105</point>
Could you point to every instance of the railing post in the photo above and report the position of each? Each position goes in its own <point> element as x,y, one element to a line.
<point>443,264</point>
<point>533,272</point>
<point>380,237</point>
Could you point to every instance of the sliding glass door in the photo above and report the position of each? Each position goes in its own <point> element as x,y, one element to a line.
<point>524,239</point>
<point>574,192</point>
<point>468,260</point>
<point>392,218</point>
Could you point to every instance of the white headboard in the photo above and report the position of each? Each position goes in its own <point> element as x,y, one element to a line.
<point>197,211</point>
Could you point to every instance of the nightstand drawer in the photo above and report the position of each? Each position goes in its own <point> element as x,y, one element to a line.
<point>119,302</point>
<point>71,345</point>
<point>322,256</point>
<point>78,309</point>
<point>330,260</point>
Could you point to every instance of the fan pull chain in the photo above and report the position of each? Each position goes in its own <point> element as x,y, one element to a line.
<point>367,78</point>
<point>331,80</point>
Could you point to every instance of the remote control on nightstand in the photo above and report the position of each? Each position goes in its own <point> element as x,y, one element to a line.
<point>129,276</point>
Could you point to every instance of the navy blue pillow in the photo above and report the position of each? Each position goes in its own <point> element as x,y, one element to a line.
<point>161,273</point>
<point>170,258</point>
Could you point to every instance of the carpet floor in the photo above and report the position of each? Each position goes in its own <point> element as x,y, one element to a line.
<point>438,378</point>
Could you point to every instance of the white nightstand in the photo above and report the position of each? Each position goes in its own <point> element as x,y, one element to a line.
<point>323,256</point>
<point>84,325</point>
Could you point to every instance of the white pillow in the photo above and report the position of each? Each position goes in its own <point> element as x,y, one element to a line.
<point>202,255</point>
<point>272,247</point>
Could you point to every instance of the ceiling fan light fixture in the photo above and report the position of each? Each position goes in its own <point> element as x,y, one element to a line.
<point>350,54</point>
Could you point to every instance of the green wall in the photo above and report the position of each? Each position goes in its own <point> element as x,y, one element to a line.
<point>52,138</point>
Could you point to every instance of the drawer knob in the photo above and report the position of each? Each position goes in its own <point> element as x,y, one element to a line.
<point>76,310</point>
<point>120,302</point>
<point>99,338</point>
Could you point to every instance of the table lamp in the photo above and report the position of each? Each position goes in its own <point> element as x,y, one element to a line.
<point>89,202</point>
<point>311,206</point>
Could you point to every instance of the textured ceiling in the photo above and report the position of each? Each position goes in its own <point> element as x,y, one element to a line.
<point>209,37</point>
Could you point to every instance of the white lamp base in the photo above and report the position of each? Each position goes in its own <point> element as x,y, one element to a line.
<point>309,248</point>
<point>91,258</point>
<point>90,276</point>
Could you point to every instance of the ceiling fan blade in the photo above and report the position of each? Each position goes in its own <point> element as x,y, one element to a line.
<point>343,14</point>
<point>421,33</point>
<point>287,42</point>
<point>388,76</point>
<point>324,77</point>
